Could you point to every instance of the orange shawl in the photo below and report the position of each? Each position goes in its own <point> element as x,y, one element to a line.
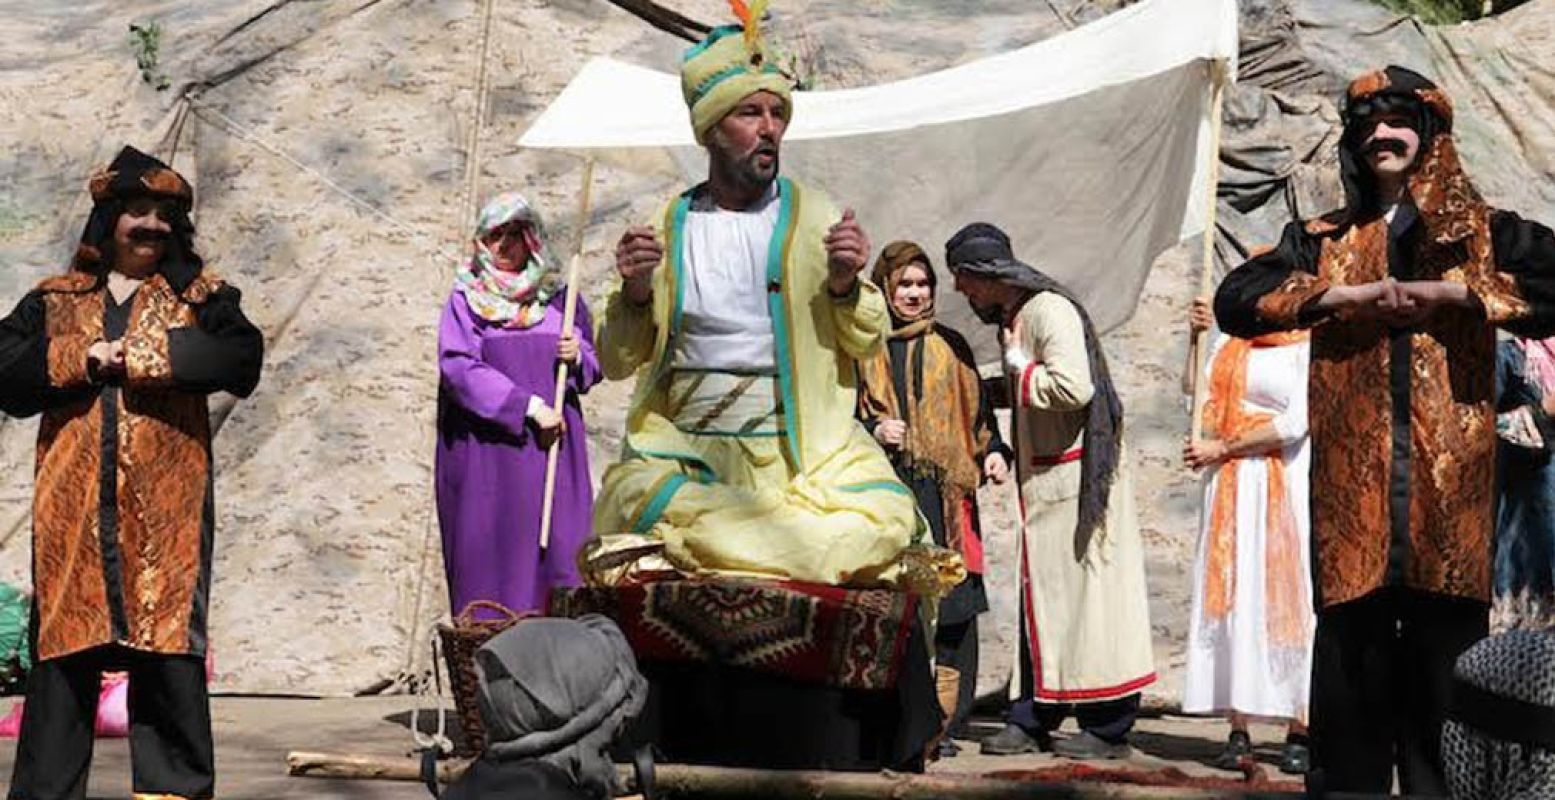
<point>1225,418</point>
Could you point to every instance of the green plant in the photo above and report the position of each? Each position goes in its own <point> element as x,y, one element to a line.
<point>804,80</point>
<point>146,42</point>
<point>1449,12</point>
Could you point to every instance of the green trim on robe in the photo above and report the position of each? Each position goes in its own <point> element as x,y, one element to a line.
<point>660,501</point>
<point>816,343</point>
<point>777,280</point>
<point>871,486</point>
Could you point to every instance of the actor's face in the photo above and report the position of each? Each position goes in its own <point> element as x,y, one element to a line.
<point>509,251</point>
<point>1390,145</point>
<point>141,234</point>
<point>746,141</point>
<point>984,295</point>
<point>913,294</point>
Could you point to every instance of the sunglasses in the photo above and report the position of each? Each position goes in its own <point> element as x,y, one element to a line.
<point>513,231</point>
<point>1389,107</point>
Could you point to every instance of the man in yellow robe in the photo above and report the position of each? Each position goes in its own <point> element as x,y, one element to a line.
<point>741,313</point>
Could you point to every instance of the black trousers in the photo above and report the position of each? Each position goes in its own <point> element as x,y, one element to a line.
<point>170,725</point>
<point>1108,720</point>
<point>1381,679</point>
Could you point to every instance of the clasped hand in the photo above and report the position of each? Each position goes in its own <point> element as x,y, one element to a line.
<point>106,357</point>
<point>1400,304</point>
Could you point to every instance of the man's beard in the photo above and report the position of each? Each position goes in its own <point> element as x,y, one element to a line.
<point>744,170</point>
<point>991,314</point>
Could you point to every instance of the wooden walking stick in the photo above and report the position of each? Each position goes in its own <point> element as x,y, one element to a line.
<point>1218,75</point>
<point>548,505</point>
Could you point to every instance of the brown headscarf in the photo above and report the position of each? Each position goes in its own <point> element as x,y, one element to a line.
<point>893,261</point>
<point>1449,204</point>
<point>134,174</point>
<point>944,440</point>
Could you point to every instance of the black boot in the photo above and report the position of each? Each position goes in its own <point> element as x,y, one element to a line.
<point>1297,756</point>
<point>1013,740</point>
<point>1238,746</point>
<point>1087,746</point>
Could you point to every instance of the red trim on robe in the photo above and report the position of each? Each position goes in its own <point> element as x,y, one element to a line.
<point>1025,382</point>
<point>971,543</point>
<point>1034,643</point>
<point>1061,458</point>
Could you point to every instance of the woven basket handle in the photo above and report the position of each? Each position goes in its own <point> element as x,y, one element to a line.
<point>468,614</point>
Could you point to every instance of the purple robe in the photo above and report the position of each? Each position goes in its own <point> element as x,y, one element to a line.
<point>490,471</point>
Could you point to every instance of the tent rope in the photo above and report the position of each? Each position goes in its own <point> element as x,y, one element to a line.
<point>210,114</point>
<point>468,206</point>
<point>437,740</point>
<point>466,209</point>
<point>1068,21</point>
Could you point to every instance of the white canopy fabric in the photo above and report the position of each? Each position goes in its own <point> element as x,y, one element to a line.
<point>1091,148</point>
<point>1144,40</point>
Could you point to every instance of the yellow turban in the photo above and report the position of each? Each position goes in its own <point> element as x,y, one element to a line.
<point>728,66</point>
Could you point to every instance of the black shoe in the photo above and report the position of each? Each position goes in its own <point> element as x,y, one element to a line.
<point>1240,745</point>
<point>1296,759</point>
<point>1011,741</point>
<point>948,748</point>
<point>962,731</point>
<point>1087,746</point>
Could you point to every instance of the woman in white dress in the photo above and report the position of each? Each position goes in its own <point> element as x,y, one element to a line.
<point>1250,633</point>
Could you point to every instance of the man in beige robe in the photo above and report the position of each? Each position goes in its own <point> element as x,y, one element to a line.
<point>1084,613</point>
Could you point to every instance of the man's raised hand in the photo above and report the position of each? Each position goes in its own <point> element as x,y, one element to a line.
<point>847,253</point>
<point>637,255</point>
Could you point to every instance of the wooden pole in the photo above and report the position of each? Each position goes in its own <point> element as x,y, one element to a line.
<point>1218,76</point>
<point>547,504</point>
<point>682,780</point>
<point>303,764</point>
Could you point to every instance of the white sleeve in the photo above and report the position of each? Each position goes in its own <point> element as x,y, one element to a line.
<point>1291,424</point>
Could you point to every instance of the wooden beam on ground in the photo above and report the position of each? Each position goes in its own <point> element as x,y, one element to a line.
<point>302,764</point>
<point>723,782</point>
<point>682,780</point>
<point>692,781</point>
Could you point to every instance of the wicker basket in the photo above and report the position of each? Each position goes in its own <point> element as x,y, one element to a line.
<point>460,641</point>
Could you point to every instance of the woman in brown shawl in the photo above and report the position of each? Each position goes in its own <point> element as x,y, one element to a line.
<point>920,397</point>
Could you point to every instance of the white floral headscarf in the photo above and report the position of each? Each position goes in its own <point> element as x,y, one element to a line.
<point>514,299</point>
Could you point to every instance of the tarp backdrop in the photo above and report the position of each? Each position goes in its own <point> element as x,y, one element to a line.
<point>328,572</point>
<point>1097,140</point>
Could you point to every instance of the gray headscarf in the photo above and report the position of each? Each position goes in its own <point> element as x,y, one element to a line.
<point>560,691</point>
<point>1499,739</point>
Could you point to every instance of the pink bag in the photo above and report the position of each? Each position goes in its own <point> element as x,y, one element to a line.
<point>113,710</point>
<point>11,726</point>
<point>113,707</point>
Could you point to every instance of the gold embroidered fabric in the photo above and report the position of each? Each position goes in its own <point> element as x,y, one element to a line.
<point>1282,307</point>
<point>1452,362</point>
<point>163,474</point>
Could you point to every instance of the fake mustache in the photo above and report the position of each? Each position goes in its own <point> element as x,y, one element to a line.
<point>1384,145</point>
<point>149,235</point>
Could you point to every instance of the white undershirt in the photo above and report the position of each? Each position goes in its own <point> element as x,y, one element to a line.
<point>725,322</point>
<point>1399,217</point>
